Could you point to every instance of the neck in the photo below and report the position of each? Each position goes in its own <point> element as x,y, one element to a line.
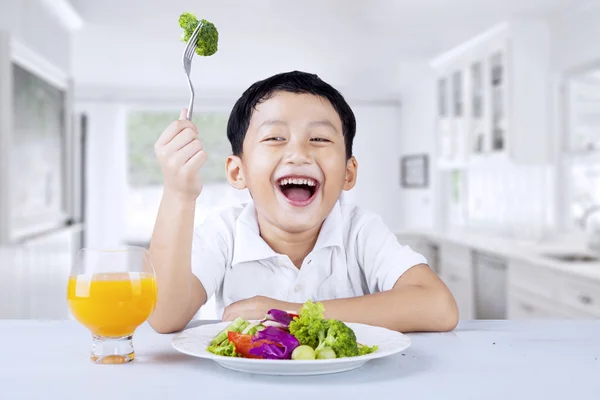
<point>295,245</point>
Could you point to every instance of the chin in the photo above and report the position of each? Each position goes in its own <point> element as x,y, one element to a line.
<point>300,224</point>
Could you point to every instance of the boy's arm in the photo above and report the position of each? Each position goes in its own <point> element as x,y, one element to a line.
<point>406,295</point>
<point>418,302</point>
<point>180,293</point>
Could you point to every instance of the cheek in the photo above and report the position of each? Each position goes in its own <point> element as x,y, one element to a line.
<point>258,172</point>
<point>335,170</point>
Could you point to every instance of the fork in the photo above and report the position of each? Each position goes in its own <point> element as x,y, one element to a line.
<point>188,54</point>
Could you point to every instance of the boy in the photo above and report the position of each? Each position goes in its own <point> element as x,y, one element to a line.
<point>291,138</point>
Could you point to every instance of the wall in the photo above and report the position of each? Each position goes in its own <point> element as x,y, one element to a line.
<point>31,22</point>
<point>105,174</point>
<point>136,59</point>
<point>573,39</point>
<point>417,137</point>
<point>378,132</point>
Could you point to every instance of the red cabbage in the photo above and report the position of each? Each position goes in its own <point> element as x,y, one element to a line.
<point>275,324</point>
<point>280,316</point>
<point>278,344</point>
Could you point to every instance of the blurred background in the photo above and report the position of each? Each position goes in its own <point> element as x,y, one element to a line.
<point>478,135</point>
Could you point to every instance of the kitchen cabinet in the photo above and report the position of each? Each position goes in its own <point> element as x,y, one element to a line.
<point>537,292</point>
<point>492,279</point>
<point>522,305</point>
<point>493,97</point>
<point>456,272</point>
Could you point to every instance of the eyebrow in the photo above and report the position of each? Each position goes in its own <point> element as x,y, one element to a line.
<point>323,123</point>
<point>273,122</point>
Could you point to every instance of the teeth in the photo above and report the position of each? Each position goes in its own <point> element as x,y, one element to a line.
<point>295,181</point>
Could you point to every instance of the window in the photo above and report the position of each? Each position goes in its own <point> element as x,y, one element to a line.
<point>144,177</point>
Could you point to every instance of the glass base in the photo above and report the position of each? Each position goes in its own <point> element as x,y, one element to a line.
<point>112,350</point>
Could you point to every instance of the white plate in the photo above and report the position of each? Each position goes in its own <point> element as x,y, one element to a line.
<point>194,342</point>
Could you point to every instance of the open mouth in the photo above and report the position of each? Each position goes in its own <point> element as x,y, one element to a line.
<point>298,191</point>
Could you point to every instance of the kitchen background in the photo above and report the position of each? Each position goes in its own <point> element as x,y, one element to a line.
<point>478,133</point>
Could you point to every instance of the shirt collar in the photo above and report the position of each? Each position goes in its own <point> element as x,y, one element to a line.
<point>332,231</point>
<point>250,246</point>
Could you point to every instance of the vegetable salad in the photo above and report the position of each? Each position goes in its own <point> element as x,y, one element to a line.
<point>286,336</point>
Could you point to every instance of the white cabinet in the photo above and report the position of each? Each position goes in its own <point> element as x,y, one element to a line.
<point>523,305</point>
<point>493,96</point>
<point>497,285</point>
<point>456,272</point>
<point>489,277</point>
<point>538,292</point>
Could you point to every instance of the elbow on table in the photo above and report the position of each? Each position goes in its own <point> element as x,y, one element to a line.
<point>165,327</point>
<point>448,316</point>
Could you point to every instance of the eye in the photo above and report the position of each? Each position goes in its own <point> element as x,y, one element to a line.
<point>274,139</point>
<point>322,140</point>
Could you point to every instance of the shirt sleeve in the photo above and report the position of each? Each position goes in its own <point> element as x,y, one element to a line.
<point>209,253</point>
<point>382,258</point>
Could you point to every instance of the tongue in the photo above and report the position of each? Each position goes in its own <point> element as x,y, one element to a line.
<point>297,193</point>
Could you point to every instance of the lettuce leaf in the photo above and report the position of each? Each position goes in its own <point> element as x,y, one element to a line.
<point>310,327</point>
<point>226,349</point>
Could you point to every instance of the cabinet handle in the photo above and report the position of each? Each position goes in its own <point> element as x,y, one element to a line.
<point>585,299</point>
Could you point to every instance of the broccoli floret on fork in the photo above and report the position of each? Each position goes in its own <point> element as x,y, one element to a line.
<point>208,36</point>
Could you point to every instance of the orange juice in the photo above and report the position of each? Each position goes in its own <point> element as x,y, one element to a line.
<point>112,304</point>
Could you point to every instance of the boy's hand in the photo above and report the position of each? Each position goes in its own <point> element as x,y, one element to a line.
<point>180,154</point>
<point>256,308</point>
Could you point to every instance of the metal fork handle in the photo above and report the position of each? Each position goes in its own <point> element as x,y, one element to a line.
<point>191,105</point>
<point>187,65</point>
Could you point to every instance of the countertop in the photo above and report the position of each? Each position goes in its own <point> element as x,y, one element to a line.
<point>531,252</point>
<point>478,360</point>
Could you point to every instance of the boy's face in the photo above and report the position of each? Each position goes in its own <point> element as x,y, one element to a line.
<point>294,161</point>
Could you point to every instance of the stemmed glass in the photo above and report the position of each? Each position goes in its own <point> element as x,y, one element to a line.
<point>111,293</point>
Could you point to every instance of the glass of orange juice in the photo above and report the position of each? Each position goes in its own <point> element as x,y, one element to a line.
<point>111,293</point>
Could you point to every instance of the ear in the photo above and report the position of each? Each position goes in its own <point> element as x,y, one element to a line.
<point>351,172</point>
<point>235,172</point>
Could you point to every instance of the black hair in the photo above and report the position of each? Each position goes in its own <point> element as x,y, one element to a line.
<point>293,82</point>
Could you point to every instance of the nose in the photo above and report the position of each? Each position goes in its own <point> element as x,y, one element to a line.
<point>298,153</point>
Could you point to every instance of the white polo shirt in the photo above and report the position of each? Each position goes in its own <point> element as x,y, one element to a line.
<point>355,254</point>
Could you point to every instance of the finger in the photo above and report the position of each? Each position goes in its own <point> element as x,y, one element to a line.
<point>187,152</point>
<point>183,114</point>
<point>196,161</point>
<point>185,137</point>
<point>173,129</point>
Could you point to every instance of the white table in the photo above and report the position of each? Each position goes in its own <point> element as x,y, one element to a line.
<point>479,360</point>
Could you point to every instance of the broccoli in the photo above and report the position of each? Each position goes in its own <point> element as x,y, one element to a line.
<point>340,338</point>
<point>208,37</point>
<point>310,327</point>
<point>364,349</point>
